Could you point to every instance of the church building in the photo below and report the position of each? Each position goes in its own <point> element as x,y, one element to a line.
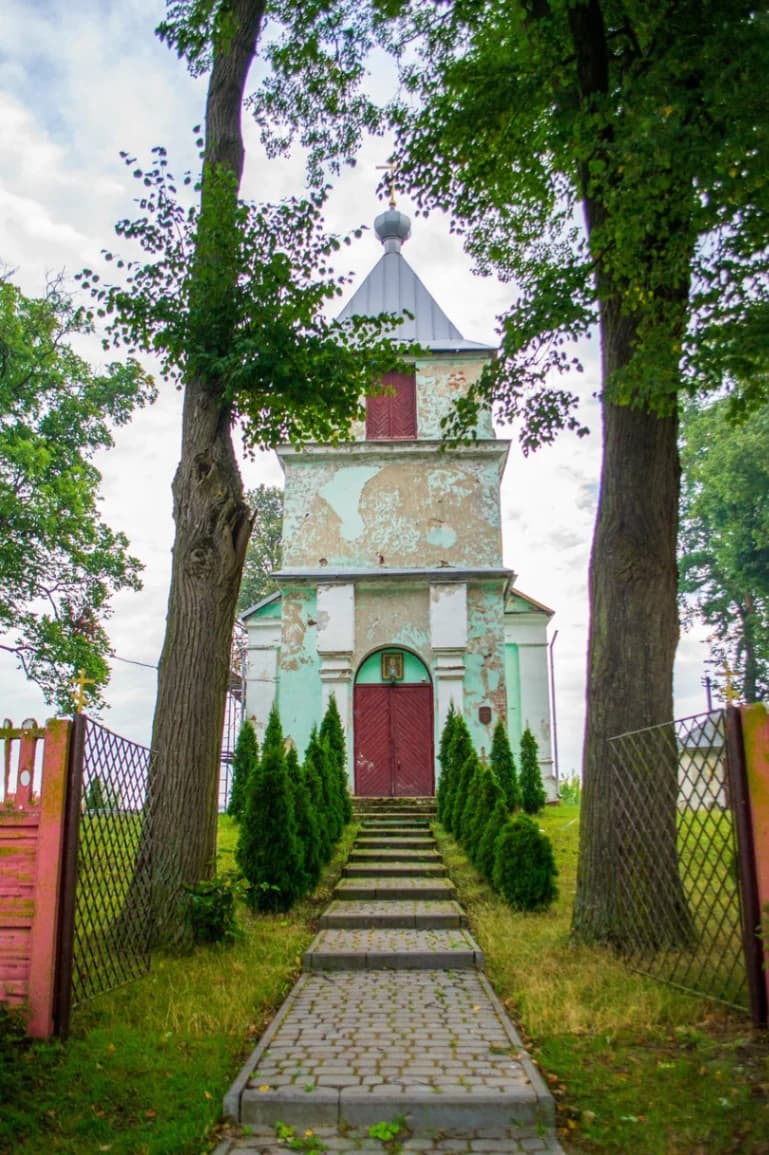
<point>393,595</point>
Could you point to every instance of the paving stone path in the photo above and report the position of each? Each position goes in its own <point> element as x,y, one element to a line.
<point>393,1020</point>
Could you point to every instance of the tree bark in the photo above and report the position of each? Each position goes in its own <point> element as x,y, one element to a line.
<point>628,885</point>
<point>212,529</point>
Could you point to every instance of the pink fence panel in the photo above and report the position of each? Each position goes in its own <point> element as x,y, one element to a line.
<point>31,833</point>
<point>755,731</point>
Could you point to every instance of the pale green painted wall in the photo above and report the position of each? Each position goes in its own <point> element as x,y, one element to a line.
<point>299,685</point>
<point>414,669</point>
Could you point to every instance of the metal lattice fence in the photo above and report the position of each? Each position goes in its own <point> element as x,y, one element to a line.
<point>672,795</point>
<point>111,888</point>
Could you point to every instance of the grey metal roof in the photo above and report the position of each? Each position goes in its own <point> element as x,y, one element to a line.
<point>392,286</point>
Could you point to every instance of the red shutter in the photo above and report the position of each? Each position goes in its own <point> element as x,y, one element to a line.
<point>392,416</point>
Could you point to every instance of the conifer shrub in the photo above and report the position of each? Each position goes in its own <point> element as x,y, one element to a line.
<point>444,782</point>
<point>331,793</point>
<point>268,851</point>
<point>495,823</point>
<point>245,759</point>
<point>533,796</point>
<point>503,765</point>
<point>332,731</point>
<point>306,822</point>
<point>489,793</point>
<point>524,865</point>
<point>315,778</point>
<point>459,750</point>
<point>472,776</point>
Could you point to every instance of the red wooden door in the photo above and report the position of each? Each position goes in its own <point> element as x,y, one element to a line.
<point>392,416</point>
<point>393,740</point>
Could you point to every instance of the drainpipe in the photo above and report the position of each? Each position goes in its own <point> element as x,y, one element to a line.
<point>552,708</point>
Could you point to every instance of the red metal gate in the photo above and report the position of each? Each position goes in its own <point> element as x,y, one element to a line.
<point>393,740</point>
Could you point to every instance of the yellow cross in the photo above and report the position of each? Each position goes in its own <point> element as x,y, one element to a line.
<point>78,690</point>
<point>390,168</point>
<point>729,692</point>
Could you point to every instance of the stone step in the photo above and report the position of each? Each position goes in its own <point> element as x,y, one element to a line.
<point>422,915</point>
<point>394,816</point>
<point>388,802</point>
<point>390,948</point>
<point>388,888</point>
<point>396,842</point>
<point>389,854</point>
<point>395,826</point>
<point>396,869</point>
<point>352,1048</point>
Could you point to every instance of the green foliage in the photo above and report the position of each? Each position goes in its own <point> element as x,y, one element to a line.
<point>495,823</point>
<point>307,1141</point>
<point>570,790</point>
<point>210,908</point>
<point>94,795</point>
<point>387,1130</point>
<point>59,563</point>
<point>641,114</point>
<point>460,750</point>
<point>470,784</point>
<point>489,793</point>
<point>265,546</point>
<point>236,294</point>
<point>332,732</point>
<point>315,773</point>
<point>533,796</point>
<point>245,762</point>
<point>503,765</point>
<point>444,781</point>
<point>724,538</point>
<point>524,865</point>
<point>306,822</point>
<point>269,853</point>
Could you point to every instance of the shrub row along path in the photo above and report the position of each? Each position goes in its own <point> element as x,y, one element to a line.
<point>392,1019</point>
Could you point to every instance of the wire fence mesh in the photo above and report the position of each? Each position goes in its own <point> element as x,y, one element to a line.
<point>111,940</point>
<point>704,952</point>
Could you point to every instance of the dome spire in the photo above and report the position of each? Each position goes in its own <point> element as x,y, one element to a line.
<point>392,226</point>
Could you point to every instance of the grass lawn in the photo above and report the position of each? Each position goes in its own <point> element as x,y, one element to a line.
<point>146,1066</point>
<point>635,1067</point>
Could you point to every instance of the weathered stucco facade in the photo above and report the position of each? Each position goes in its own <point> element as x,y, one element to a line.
<point>393,593</point>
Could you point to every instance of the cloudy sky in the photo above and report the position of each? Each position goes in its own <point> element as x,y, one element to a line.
<point>79,82</point>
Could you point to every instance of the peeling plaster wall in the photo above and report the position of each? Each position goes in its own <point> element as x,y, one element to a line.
<point>440,380</point>
<point>485,660</point>
<point>299,690</point>
<point>386,506</point>
<point>393,614</point>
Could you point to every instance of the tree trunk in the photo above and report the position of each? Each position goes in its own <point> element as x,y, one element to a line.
<point>628,886</point>
<point>212,528</point>
<point>212,520</point>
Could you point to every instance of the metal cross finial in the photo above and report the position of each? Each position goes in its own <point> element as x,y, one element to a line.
<point>729,693</point>
<point>78,690</point>
<point>390,168</point>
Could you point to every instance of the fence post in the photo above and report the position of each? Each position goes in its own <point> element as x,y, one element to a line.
<point>736,765</point>
<point>43,937</point>
<point>63,1003</point>
<point>755,730</point>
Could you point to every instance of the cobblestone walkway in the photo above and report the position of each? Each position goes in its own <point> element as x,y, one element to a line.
<point>393,1022</point>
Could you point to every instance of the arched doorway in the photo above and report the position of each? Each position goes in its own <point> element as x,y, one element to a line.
<point>393,726</point>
